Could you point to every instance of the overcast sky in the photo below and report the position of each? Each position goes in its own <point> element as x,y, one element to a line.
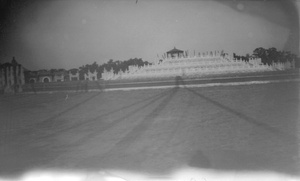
<point>68,34</point>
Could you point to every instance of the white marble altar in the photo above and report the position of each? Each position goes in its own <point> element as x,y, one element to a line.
<point>195,66</point>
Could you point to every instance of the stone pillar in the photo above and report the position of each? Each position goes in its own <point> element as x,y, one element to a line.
<point>16,79</point>
<point>7,81</point>
<point>293,64</point>
<point>20,78</point>
<point>22,75</point>
<point>2,78</point>
<point>12,76</point>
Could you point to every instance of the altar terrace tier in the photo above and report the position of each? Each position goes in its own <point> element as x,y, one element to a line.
<point>181,64</point>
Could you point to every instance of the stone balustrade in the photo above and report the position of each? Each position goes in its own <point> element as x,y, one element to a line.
<point>195,67</point>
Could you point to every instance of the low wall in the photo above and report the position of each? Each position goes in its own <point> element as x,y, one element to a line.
<point>76,86</point>
<point>84,86</point>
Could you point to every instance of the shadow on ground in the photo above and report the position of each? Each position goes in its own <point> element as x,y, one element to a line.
<point>232,159</point>
<point>18,158</point>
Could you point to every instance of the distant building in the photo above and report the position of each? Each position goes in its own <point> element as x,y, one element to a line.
<point>59,76</point>
<point>45,76</point>
<point>31,76</point>
<point>11,77</point>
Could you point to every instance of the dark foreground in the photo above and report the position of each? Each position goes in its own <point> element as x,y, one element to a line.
<point>156,132</point>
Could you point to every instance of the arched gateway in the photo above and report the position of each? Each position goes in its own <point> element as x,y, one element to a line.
<point>46,80</point>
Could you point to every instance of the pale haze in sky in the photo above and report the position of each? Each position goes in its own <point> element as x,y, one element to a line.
<point>68,34</point>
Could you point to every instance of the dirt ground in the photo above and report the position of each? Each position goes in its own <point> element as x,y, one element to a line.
<point>223,128</point>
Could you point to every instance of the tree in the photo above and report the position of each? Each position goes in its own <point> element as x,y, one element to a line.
<point>272,55</point>
<point>93,67</point>
<point>260,53</point>
<point>117,66</point>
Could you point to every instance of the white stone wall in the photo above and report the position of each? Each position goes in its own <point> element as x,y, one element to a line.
<point>59,77</point>
<point>196,67</point>
<point>91,76</point>
<point>71,76</point>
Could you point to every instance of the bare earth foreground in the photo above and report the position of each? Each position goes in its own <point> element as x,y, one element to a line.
<point>236,129</point>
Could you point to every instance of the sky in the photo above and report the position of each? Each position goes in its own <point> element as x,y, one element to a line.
<point>68,34</point>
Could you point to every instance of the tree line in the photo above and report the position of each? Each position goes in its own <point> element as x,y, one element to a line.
<point>269,56</point>
<point>116,66</point>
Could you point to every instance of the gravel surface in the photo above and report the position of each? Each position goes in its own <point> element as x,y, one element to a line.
<point>224,128</point>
